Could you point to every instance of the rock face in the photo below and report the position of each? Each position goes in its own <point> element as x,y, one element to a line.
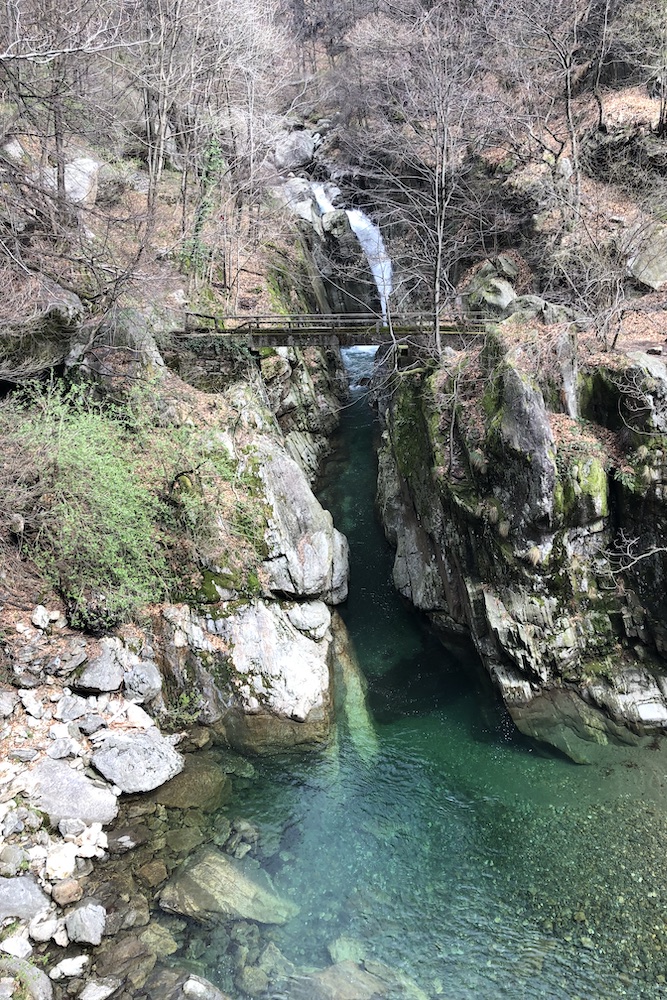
<point>335,268</point>
<point>264,681</point>
<point>294,149</point>
<point>307,557</point>
<point>45,340</point>
<point>304,389</point>
<point>137,761</point>
<point>503,529</point>
<point>649,264</point>
<point>214,886</point>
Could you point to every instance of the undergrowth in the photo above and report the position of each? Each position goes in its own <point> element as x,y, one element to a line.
<point>117,512</point>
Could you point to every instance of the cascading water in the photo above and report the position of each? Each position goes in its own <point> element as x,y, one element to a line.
<point>370,240</point>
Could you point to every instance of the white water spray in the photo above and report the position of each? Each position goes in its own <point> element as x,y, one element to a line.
<point>370,240</point>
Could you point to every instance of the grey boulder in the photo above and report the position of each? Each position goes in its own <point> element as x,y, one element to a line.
<point>64,793</point>
<point>213,885</point>
<point>85,923</point>
<point>104,673</point>
<point>138,761</point>
<point>21,897</point>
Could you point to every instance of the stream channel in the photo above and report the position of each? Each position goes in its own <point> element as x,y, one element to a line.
<point>441,842</point>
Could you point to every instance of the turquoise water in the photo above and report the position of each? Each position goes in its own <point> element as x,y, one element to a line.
<point>456,850</point>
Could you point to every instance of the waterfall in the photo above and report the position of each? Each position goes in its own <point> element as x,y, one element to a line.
<point>370,240</point>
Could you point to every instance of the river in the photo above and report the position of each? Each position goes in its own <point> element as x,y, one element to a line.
<point>448,846</point>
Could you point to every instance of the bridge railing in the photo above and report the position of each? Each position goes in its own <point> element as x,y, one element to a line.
<point>308,323</point>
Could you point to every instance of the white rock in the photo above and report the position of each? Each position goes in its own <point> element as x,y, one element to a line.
<point>282,668</point>
<point>137,717</point>
<point>99,989</point>
<point>17,946</point>
<point>311,617</point>
<point>92,842</point>
<point>59,731</point>
<point>61,861</point>
<point>308,557</point>
<point>69,967</point>
<point>15,152</point>
<point>37,853</point>
<point>40,617</point>
<point>32,704</point>
<point>42,927</point>
<point>60,937</point>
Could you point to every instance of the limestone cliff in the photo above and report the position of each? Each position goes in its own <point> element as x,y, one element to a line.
<point>508,475</point>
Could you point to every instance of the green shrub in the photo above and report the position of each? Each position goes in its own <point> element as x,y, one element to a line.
<point>94,521</point>
<point>117,510</point>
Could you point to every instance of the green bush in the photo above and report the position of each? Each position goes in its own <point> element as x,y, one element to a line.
<point>94,521</point>
<point>118,510</point>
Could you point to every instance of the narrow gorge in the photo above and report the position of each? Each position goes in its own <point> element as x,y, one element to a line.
<point>333,500</point>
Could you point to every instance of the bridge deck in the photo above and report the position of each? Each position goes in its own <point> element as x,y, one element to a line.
<point>345,329</point>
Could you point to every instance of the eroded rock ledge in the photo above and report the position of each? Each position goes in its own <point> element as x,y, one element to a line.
<point>507,477</point>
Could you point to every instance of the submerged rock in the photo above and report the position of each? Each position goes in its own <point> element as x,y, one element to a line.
<point>202,784</point>
<point>213,886</point>
<point>351,980</point>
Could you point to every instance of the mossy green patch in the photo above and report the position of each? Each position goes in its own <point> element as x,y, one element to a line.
<point>409,432</point>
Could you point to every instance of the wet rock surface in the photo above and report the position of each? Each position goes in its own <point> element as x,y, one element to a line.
<point>212,884</point>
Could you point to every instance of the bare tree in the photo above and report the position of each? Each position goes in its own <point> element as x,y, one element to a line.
<point>422,114</point>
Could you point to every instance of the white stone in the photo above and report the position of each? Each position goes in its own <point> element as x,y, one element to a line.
<point>69,967</point>
<point>32,703</point>
<point>42,927</point>
<point>61,861</point>
<point>40,617</point>
<point>311,617</point>
<point>137,717</point>
<point>99,989</point>
<point>14,151</point>
<point>60,937</point>
<point>17,946</point>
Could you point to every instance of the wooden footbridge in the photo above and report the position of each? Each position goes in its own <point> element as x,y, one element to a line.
<point>319,330</point>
